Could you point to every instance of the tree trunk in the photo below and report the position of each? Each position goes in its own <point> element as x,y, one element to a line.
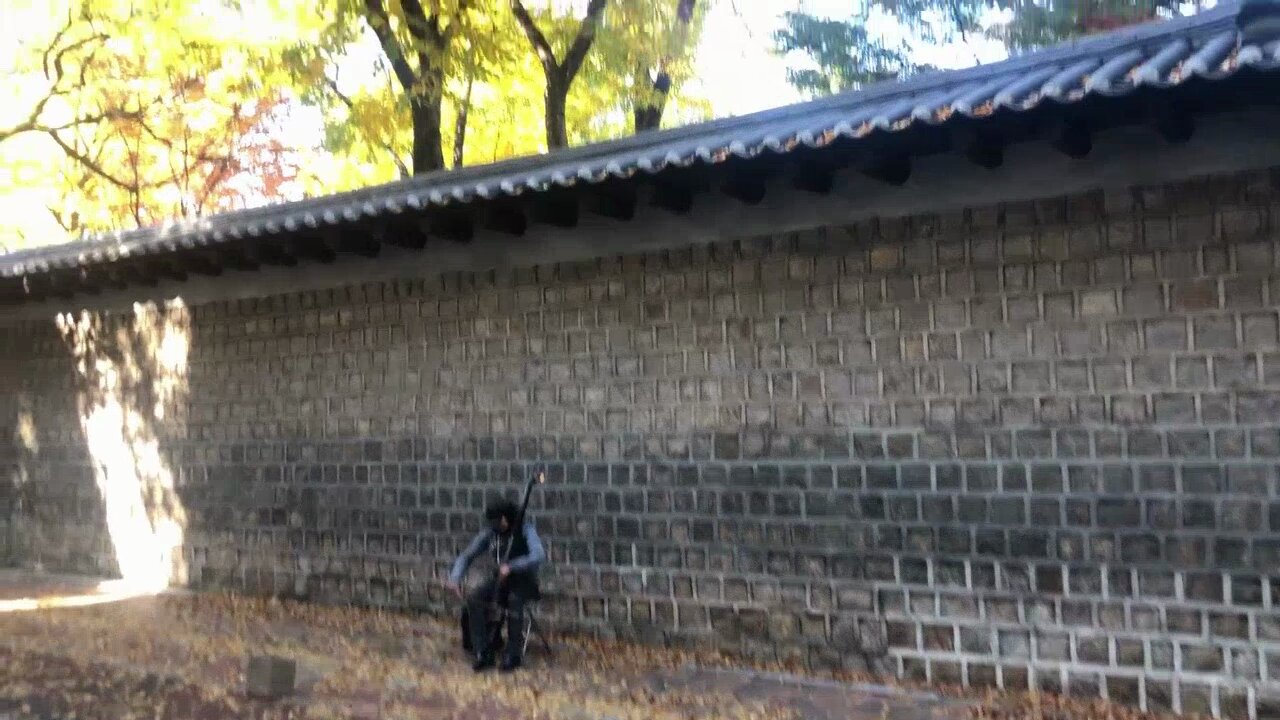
<point>427,152</point>
<point>556,99</point>
<point>460,124</point>
<point>648,116</point>
<point>559,74</point>
<point>423,86</point>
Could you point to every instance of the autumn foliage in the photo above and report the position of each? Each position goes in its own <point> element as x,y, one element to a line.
<point>184,657</point>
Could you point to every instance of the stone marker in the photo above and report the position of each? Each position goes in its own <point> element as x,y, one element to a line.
<point>270,677</point>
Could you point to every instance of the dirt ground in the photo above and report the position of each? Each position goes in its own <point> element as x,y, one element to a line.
<point>183,656</point>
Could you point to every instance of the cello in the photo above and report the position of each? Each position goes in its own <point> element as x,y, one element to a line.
<point>494,611</point>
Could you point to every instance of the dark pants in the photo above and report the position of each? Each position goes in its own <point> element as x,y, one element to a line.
<point>511,597</point>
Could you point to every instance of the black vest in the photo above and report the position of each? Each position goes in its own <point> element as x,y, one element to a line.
<point>498,545</point>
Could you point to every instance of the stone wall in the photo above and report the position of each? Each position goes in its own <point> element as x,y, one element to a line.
<point>1033,444</point>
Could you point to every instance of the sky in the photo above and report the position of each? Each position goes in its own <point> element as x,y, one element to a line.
<point>738,72</point>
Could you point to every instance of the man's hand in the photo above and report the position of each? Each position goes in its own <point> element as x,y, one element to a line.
<point>504,571</point>
<point>454,588</point>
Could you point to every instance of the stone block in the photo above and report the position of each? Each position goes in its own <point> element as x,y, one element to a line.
<point>268,677</point>
<point>1098,303</point>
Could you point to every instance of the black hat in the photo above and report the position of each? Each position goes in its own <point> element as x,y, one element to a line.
<point>501,509</point>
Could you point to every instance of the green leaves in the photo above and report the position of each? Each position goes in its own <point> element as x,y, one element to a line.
<point>843,54</point>
<point>1037,24</point>
<point>846,55</point>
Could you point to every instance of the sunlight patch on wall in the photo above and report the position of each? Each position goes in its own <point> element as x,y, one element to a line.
<point>132,375</point>
<point>27,437</point>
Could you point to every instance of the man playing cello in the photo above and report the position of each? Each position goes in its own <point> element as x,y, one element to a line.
<point>518,554</point>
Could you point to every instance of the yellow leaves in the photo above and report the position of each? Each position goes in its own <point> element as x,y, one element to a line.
<point>314,69</point>
<point>123,45</point>
<point>275,52</point>
<point>504,109</point>
<point>171,68</point>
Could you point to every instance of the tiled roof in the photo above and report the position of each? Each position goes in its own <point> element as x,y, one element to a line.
<point>1211,47</point>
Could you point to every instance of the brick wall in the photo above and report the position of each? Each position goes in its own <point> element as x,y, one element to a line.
<point>1027,444</point>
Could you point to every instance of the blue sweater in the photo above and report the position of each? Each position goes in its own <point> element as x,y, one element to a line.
<point>487,537</point>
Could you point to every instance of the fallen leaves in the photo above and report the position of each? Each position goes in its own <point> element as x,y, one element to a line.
<point>349,661</point>
<point>55,686</point>
<point>183,657</point>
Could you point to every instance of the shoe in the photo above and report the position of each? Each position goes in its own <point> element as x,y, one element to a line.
<point>482,662</point>
<point>509,664</point>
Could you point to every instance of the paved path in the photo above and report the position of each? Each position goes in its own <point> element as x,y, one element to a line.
<point>813,699</point>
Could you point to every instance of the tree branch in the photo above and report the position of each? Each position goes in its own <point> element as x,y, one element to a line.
<point>380,23</point>
<point>536,38</point>
<point>460,122</point>
<point>91,165</point>
<point>684,11</point>
<point>648,114</point>
<point>582,42</point>
<point>446,35</point>
<point>52,63</point>
<point>424,31</point>
<point>90,120</point>
<point>57,37</point>
<point>351,105</point>
<point>422,28</point>
<point>333,88</point>
<point>32,124</point>
<point>58,70</point>
<point>22,127</point>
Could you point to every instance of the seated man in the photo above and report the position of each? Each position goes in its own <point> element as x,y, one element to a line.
<point>515,582</point>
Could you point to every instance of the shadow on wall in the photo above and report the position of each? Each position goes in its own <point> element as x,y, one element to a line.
<point>130,382</point>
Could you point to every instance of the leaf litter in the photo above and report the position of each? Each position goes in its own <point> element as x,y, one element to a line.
<point>182,657</point>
